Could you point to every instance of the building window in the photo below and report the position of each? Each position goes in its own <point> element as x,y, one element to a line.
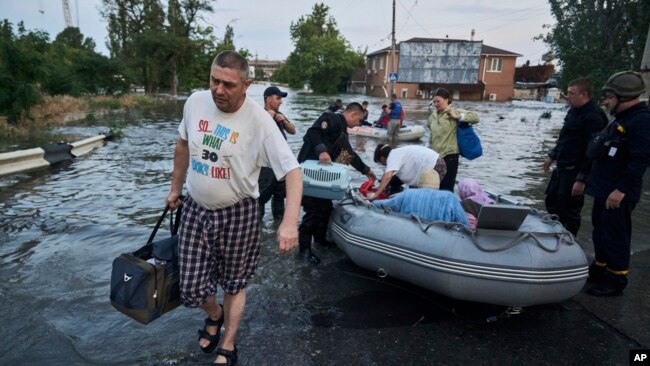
<point>381,63</point>
<point>374,63</point>
<point>405,93</point>
<point>494,64</point>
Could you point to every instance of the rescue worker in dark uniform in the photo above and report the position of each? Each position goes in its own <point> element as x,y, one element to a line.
<point>621,154</point>
<point>327,141</point>
<point>565,192</point>
<point>269,185</point>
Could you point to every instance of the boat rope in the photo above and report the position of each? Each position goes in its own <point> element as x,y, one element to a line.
<point>550,219</point>
<point>560,237</point>
<point>520,239</point>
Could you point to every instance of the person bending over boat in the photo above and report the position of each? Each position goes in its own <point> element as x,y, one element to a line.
<point>427,202</point>
<point>326,141</point>
<point>404,165</point>
<point>443,124</point>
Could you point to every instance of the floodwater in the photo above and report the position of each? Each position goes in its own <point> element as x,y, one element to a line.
<point>60,229</point>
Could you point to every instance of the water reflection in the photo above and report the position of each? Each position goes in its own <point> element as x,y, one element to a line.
<point>61,228</point>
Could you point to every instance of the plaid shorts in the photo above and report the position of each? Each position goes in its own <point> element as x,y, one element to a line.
<point>217,247</point>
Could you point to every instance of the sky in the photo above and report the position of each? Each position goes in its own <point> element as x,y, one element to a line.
<point>262,27</point>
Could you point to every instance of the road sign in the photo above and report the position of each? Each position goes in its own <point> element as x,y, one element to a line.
<point>392,77</point>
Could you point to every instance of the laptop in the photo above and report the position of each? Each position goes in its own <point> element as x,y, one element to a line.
<point>501,217</point>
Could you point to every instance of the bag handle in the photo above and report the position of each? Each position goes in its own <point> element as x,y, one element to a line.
<point>173,224</point>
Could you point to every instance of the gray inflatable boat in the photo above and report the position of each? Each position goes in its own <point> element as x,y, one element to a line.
<point>538,262</point>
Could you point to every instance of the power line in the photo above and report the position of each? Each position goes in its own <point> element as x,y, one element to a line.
<point>519,19</point>
<point>536,8</point>
<point>415,20</point>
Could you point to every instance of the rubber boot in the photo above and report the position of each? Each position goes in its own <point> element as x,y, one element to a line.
<point>597,272</point>
<point>305,252</point>
<point>324,242</point>
<point>611,285</point>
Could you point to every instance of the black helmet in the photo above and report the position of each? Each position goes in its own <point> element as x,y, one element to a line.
<point>625,84</point>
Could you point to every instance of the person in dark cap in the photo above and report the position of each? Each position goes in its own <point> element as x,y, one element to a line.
<point>337,106</point>
<point>270,187</point>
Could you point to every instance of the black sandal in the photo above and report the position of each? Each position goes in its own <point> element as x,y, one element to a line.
<point>231,356</point>
<point>214,339</point>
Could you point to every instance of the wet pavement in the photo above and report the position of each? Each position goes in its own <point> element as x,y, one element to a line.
<point>350,316</point>
<point>336,313</point>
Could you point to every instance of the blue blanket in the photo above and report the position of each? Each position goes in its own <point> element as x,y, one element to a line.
<point>428,204</point>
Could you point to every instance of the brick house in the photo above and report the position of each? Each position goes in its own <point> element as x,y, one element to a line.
<point>533,82</point>
<point>470,70</point>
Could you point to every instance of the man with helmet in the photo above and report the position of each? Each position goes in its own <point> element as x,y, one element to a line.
<point>620,153</point>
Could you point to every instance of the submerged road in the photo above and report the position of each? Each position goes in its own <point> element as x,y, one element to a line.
<point>62,227</point>
<point>338,314</point>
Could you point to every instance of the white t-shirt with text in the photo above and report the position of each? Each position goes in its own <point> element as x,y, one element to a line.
<point>227,150</point>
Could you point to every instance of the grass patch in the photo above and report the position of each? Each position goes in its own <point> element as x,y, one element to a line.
<point>54,106</point>
<point>55,110</point>
<point>98,103</point>
<point>115,129</point>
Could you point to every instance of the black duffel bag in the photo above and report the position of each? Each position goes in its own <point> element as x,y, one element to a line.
<point>145,283</point>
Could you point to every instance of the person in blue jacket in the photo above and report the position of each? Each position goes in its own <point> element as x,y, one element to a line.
<point>621,154</point>
<point>394,120</point>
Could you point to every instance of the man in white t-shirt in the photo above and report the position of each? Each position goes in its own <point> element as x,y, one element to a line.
<point>225,138</point>
<point>404,165</point>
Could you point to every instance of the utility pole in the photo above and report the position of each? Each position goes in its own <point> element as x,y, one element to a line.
<point>392,52</point>
<point>66,13</point>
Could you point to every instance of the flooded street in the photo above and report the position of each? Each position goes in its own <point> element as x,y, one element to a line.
<point>62,227</point>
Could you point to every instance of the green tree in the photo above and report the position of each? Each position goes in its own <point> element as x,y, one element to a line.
<point>31,66</point>
<point>162,48</point>
<point>596,38</point>
<point>21,69</point>
<point>185,39</point>
<point>322,57</point>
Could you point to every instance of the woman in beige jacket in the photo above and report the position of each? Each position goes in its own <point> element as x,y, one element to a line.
<point>443,124</point>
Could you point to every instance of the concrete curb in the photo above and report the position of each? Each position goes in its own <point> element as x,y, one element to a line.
<point>30,159</point>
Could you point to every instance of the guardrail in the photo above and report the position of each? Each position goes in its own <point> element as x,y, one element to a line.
<point>30,159</point>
